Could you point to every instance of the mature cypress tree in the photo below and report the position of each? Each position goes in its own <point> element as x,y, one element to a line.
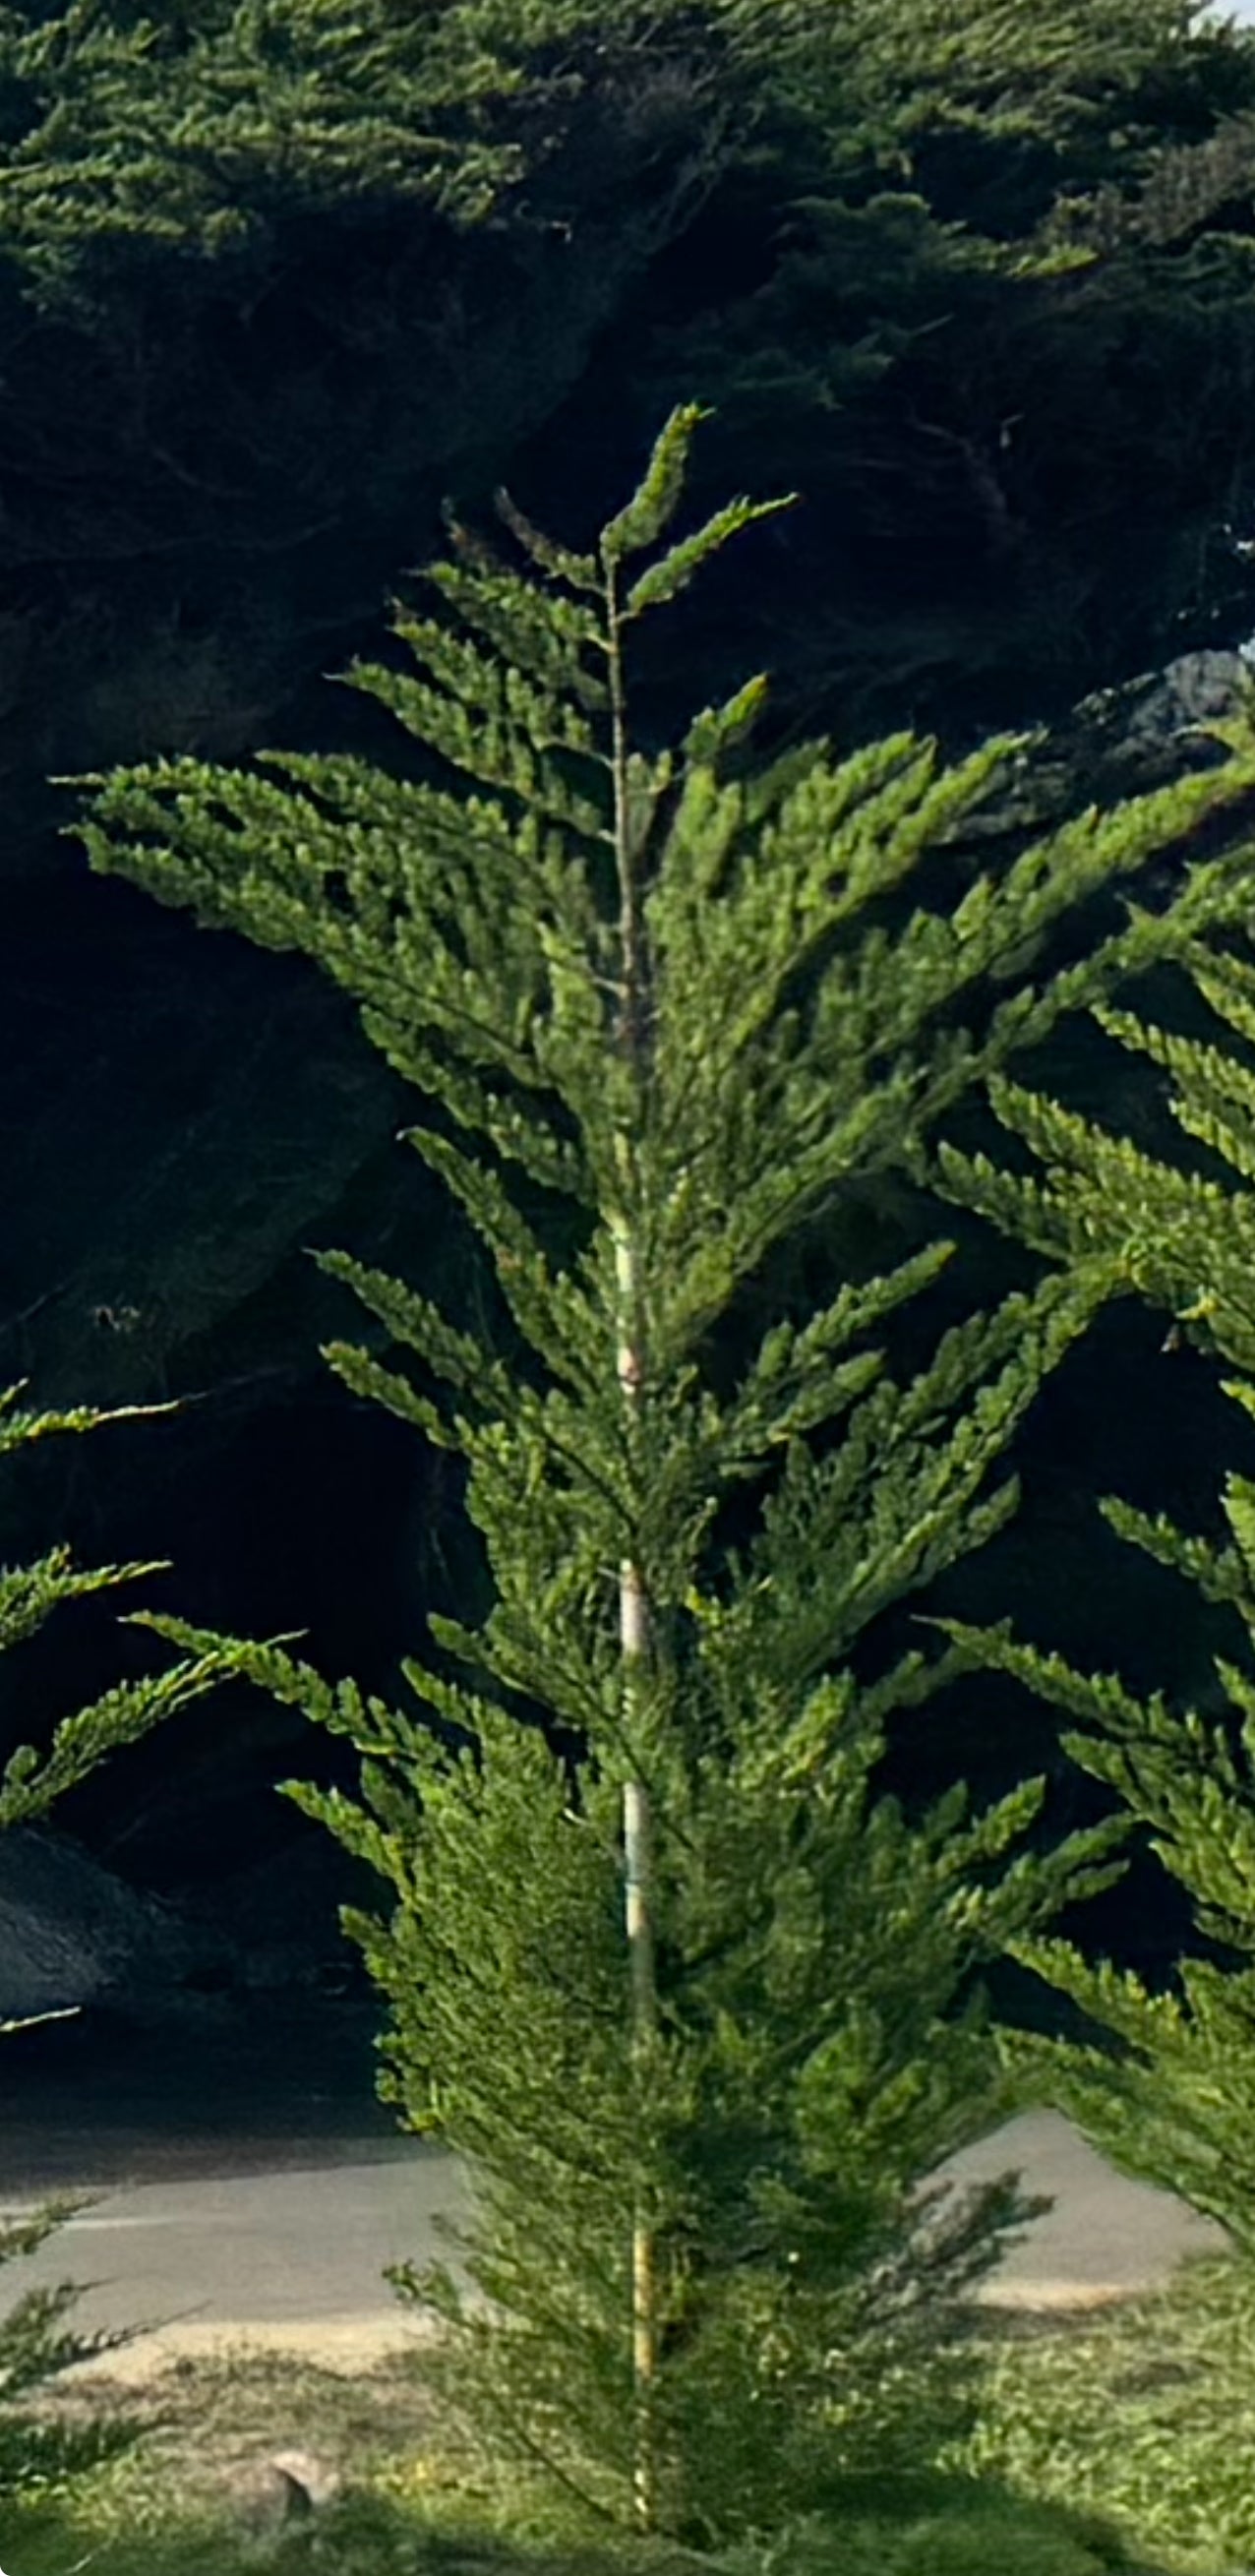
<point>1173,2099</point>
<point>679,1986</point>
<point>202,127</point>
<point>34,2345</point>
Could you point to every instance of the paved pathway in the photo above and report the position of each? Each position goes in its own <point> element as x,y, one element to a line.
<point>231,2212</point>
<point>254,2187</point>
<point>1105,2235</point>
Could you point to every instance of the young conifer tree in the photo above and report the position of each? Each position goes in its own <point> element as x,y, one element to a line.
<point>686,1999</point>
<point>1174,2100</point>
<point>35,2345</point>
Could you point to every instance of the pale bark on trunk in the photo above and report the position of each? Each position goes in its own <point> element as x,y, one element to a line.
<point>633,1637</point>
<point>634,1632</point>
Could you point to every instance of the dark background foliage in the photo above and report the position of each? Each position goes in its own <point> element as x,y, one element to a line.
<point>274,279</point>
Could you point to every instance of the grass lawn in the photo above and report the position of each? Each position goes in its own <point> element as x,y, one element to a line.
<point>1122,2442</point>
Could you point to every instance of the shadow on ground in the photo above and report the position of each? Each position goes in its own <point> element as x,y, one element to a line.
<point>102,2100</point>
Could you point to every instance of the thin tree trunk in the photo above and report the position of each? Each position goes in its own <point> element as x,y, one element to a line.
<point>636,1844</point>
<point>633,1637</point>
<point>634,1634</point>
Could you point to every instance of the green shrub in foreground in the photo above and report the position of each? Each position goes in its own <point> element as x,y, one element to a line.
<point>958,2530</point>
